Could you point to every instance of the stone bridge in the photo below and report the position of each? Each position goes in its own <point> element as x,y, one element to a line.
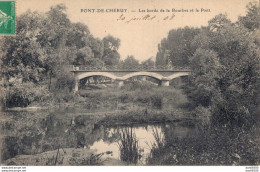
<point>164,75</point>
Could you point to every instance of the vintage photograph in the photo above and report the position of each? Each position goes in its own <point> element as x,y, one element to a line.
<point>130,83</point>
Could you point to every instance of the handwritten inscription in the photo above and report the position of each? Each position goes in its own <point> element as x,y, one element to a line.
<point>147,17</point>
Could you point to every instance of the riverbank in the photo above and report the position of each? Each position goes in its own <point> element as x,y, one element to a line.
<point>64,139</point>
<point>132,95</point>
<point>44,131</point>
<point>65,157</point>
<point>72,123</point>
<point>137,102</point>
<point>35,138</point>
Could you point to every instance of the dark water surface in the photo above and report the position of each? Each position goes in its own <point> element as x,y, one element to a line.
<point>27,133</point>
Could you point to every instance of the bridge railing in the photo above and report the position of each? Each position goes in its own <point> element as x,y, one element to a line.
<point>127,68</point>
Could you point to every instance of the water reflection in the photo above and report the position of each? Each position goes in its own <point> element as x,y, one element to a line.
<point>32,133</point>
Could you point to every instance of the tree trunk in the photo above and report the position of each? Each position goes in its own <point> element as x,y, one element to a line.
<point>50,80</point>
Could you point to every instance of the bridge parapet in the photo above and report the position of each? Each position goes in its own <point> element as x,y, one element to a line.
<point>136,68</point>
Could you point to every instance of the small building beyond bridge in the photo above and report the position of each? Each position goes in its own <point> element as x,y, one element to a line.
<point>163,74</point>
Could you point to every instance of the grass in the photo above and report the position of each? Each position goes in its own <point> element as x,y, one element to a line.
<point>127,97</point>
<point>132,96</point>
<point>213,146</point>
<point>60,157</point>
<point>128,145</point>
<point>142,116</point>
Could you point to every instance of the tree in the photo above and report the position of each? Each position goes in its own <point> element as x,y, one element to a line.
<point>111,56</point>
<point>202,85</point>
<point>176,49</point>
<point>252,19</point>
<point>162,56</point>
<point>130,62</point>
<point>79,36</point>
<point>83,56</point>
<point>149,63</point>
<point>218,22</point>
<point>23,56</point>
<point>45,43</point>
<point>97,47</point>
<point>229,87</point>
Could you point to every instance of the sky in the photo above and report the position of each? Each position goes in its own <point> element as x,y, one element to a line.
<point>139,38</point>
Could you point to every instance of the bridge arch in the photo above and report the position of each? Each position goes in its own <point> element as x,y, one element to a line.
<point>176,75</point>
<point>150,74</point>
<point>89,74</point>
<point>164,80</point>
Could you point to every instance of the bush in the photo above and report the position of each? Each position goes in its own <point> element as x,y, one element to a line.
<point>63,95</point>
<point>23,94</point>
<point>64,80</point>
<point>138,85</point>
<point>212,146</point>
<point>202,114</point>
<point>156,101</point>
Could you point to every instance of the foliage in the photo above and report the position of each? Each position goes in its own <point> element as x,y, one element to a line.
<point>22,55</point>
<point>43,43</point>
<point>202,83</point>
<point>212,146</point>
<point>252,18</point>
<point>128,146</point>
<point>18,94</point>
<point>130,62</point>
<point>111,56</point>
<point>149,63</point>
<point>138,85</point>
<point>203,115</point>
<point>176,49</point>
<point>224,59</point>
<point>225,73</point>
<point>159,140</point>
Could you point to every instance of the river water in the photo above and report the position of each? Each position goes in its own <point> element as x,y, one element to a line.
<point>27,133</point>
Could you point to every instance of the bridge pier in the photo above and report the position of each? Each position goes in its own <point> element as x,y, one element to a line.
<point>165,83</point>
<point>119,83</point>
<point>76,88</point>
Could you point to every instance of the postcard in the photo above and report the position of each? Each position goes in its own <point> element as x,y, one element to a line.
<point>129,83</point>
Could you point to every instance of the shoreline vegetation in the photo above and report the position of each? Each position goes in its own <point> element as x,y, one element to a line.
<point>151,104</point>
<point>65,157</point>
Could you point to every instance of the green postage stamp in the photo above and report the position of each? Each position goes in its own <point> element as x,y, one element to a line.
<point>7,17</point>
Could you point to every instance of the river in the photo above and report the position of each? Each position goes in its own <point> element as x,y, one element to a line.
<point>28,133</point>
